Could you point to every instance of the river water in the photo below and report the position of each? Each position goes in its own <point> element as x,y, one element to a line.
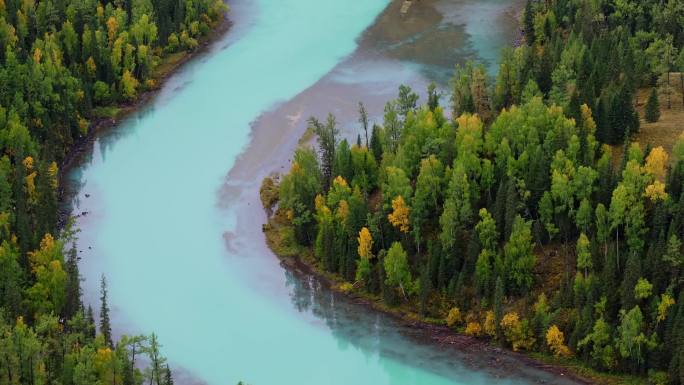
<point>168,204</point>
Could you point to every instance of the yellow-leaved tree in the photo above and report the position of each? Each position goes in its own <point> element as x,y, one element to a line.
<point>666,301</point>
<point>473,329</point>
<point>555,340</point>
<point>365,249</point>
<point>517,331</point>
<point>365,243</point>
<point>48,294</point>
<point>454,317</point>
<point>656,191</point>
<point>656,163</point>
<point>399,217</point>
<point>490,323</point>
<point>129,85</point>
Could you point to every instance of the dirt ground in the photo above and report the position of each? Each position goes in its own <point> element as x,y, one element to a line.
<point>667,130</point>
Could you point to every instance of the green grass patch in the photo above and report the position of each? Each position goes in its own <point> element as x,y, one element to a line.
<point>280,237</point>
<point>168,64</point>
<point>583,370</point>
<point>106,112</point>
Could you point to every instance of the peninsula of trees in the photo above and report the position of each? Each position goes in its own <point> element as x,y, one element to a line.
<point>528,215</point>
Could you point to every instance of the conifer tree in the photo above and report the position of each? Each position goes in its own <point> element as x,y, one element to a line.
<point>90,318</point>
<point>363,119</point>
<point>73,284</point>
<point>376,144</point>
<point>327,140</point>
<point>105,326</point>
<point>168,378</point>
<point>433,97</point>
<point>407,100</point>
<point>652,114</point>
<point>528,23</point>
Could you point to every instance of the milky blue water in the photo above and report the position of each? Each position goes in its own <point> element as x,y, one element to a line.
<point>229,312</point>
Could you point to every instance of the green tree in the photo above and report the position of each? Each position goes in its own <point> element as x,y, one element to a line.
<point>584,260</point>
<point>376,144</point>
<point>47,295</point>
<point>484,272</point>
<point>599,341</point>
<point>602,227</point>
<point>457,208</point>
<point>433,97</point>
<point>363,119</point>
<point>105,325</point>
<point>632,342</point>
<point>652,107</point>
<point>407,100</point>
<point>519,258</point>
<point>428,195</point>
<point>327,141</point>
<point>297,192</point>
<point>486,230</point>
<point>156,370</point>
<point>397,268</point>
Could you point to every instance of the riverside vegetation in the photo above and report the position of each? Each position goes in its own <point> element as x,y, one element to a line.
<point>529,216</point>
<point>63,62</point>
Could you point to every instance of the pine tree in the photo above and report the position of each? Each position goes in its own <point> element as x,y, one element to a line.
<point>545,69</point>
<point>158,367</point>
<point>631,277</point>
<point>168,378</point>
<point>604,133</point>
<point>512,201</point>
<point>376,144</point>
<point>73,284</point>
<point>327,140</point>
<point>528,23</point>
<point>105,326</point>
<point>433,97</point>
<point>363,119</point>
<point>91,322</point>
<point>22,218</point>
<point>499,211</point>
<point>652,107</point>
<point>407,100</point>
<point>46,211</point>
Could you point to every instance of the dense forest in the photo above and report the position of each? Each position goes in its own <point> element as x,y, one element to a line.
<point>526,213</point>
<point>61,60</point>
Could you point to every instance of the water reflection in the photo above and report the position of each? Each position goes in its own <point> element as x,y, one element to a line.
<point>355,325</point>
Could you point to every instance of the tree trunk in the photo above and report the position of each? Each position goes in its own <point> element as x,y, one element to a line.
<point>669,100</point>
<point>617,247</point>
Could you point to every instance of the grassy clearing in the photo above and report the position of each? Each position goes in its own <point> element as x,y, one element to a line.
<point>665,131</point>
<point>110,112</point>
<point>280,237</point>
<point>581,369</point>
<point>168,64</point>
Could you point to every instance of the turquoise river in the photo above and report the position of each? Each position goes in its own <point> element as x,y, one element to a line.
<point>179,236</point>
